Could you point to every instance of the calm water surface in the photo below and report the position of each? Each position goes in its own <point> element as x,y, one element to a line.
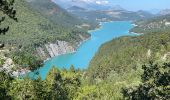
<point>87,50</point>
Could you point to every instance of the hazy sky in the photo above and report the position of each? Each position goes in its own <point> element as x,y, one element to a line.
<point>142,4</point>
<point>127,4</point>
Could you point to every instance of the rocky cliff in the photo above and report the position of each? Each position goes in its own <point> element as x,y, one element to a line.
<point>8,66</point>
<point>55,49</point>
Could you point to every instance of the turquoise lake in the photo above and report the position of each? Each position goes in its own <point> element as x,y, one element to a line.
<point>86,51</point>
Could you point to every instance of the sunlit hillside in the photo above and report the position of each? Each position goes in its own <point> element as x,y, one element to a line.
<point>84,50</point>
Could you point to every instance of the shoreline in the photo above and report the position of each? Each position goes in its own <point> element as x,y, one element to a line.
<point>78,45</point>
<point>137,33</point>
<point>134,24</point>
<point>131,32</point>
<point>97,28</point>
<point>100,26</point>
<point>81,42</point>
<point>89,31</point>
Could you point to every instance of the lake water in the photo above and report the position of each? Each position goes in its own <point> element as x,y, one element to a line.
<point>87,50</point>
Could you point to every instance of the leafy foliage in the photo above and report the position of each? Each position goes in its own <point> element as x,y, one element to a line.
<point>155,84</point>
<point>35,29</point>
<point>116,65</point>
<point>119,62</point>
<point>6,6</point>
<point>155,24</point>
<point>5,81</point>
<point>58,85</point>
<point>26,60</point>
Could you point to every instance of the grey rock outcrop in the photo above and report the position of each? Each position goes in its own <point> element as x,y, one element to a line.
<point>55,49</point>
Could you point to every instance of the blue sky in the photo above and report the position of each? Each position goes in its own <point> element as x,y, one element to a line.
<point>127,4</point>
<point>142,4</point>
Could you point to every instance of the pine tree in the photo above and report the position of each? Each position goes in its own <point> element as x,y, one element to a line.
<point>155,84</point>
<point>54,85</point>
<point>6,7</point>
<point>5,81</point>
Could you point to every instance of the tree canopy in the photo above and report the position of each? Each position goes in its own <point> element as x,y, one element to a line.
<point>6,7</point>
<point>155,83</point>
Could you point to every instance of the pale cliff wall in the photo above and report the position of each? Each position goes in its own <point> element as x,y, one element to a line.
<point>54,49</point>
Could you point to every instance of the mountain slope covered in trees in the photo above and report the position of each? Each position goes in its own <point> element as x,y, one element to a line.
<point>34,29</point>
<point>153,25</point>
<point>54,12</point>
<point>118,63</point>
<point>112,14</point>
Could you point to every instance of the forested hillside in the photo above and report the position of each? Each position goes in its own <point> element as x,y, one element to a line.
<point>153,25</point>
<point>113,14</point>
<point>119,62</point>
<point>128,67</point>
<point>35,29</point>
<point>55,13</point>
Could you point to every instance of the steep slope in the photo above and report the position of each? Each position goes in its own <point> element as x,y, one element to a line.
<point>73,8</point>
<point>118,63</point>
<point>152,25</point>
<point>35,29</point>
<point>53,12</point>
<point>123,53</point>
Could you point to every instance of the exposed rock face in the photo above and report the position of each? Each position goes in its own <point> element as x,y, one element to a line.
<point>54,49</point>
<point>58,48</point>
<point>149,53</point>
<point>165,57</point>
<point>9,66</point>
<point>41,53</point>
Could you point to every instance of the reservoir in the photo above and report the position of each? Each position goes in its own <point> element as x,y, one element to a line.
<point>86,51</point>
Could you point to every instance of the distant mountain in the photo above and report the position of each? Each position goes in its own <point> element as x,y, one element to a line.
<point>165,12</point>
<point>117,8</point>
<point>144,14</point>
<point>88,4</point>
<point>73,8</point>
<point>98,7</point>
<point>100,11</point>
<point>154,11</point>
<point>153,24</point>
<point>115,13</point>
<point>59,15</point>
<point>54,12</point>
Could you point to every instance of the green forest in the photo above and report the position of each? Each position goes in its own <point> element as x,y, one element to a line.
<point>119,63</point>
<point>34,29</point>
<point>126,68</point>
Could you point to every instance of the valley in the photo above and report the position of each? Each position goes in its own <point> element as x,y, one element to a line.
<point>84,50</point>
<point>35,32</point>
<point>82,56</point>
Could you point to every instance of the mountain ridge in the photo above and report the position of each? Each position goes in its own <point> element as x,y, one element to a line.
<point>34,30</point>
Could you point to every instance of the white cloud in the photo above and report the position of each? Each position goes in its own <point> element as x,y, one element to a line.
<point>88,4</point>
<point>102,2</point>
<point>99,2</point>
